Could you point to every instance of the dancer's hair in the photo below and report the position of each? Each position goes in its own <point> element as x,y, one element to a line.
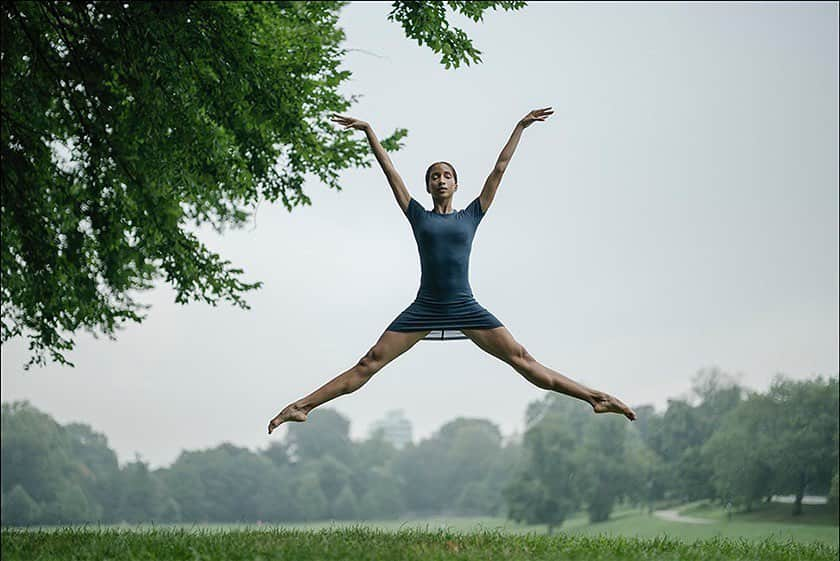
<point>429,171</point>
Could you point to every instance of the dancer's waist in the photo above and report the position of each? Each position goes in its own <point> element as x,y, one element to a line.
<point>434,295</point>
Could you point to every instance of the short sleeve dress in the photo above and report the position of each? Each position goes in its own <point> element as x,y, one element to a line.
<point>444,303</point>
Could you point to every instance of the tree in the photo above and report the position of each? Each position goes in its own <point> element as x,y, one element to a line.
<point>345,507</point>
<point>33,452</point>
<point>333,476</point>
<point>383,498</point>
<point>678,435</point>
<point>274,500</point>
<point>421,470</point>
<point>477,498</point>
<point>427,23</point>
<point>326,431</point>
<point>371,453</point>
<point>471,448</point>
<point>740,452</point>
<point>573,458</point>
<point>375,450</point>
<point>784,441</point>
<point>435,472</point>
<point>100,473</point>
<point>804,451</point>
<point>643,480</point>
<point>128,125</point>
<point>226,484</point>
<point>39,455</point>
<point>184,481</point>
<point>547,489</point>
<point>142,496</point>
<point>508,462</point>
<point>529,501</point>
<point>19,509</point>
<point>71,505</point>
<point>602,463</point>
<point>278,454</point>
<point>310,499</point>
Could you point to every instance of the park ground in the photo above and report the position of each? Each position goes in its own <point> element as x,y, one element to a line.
<point>773,520</point>
<point>769,533</point>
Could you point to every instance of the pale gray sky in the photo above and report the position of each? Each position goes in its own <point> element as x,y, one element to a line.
<point>678,211</point>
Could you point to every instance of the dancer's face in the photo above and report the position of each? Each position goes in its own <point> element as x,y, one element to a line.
<point>441,182</point>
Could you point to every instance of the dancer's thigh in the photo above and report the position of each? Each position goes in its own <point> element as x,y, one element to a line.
<point>499,342</point>
<point>390,345</point>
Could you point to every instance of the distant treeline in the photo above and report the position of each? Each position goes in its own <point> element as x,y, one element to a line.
<point>722,442</point>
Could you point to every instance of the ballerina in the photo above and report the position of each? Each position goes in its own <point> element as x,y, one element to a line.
<point>445,307</point>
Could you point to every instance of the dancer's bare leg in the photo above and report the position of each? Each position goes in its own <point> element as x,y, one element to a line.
<point>390,345</point>
<point>501,344</point>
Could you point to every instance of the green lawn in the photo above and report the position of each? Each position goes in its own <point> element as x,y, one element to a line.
<point>632,523</point>
<point>766,534</point>
<point>642,525</point>
<point>767,512</point>
<point>366,543</point>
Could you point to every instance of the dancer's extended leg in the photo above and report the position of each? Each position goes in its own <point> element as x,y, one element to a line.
<point>501,344</point>
<point>389,346</point>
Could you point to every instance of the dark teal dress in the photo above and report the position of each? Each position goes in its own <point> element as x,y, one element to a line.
<point>444,303</point>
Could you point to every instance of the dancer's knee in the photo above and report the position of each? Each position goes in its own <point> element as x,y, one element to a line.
<point>528,366</point>
<point>369,364</point>
<point>521,359</point>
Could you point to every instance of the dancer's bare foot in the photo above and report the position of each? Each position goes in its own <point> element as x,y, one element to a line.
<point>605,403</point>
<point>290,413</point>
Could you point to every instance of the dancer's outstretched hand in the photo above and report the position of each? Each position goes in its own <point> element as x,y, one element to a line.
<point>349,122</point>
<point>535,115</point>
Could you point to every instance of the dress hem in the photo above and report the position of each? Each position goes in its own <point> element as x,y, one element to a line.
<point>442,334</point>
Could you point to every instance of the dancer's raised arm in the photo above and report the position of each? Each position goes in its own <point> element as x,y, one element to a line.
<point>397,186</point>
<point>488,192</point>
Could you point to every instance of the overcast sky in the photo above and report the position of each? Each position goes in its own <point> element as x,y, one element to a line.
<point>678,211</point>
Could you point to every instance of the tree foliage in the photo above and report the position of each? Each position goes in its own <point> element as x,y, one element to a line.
<point>427,23</point>
<point>677,436</point>
<point>436,471</point>
<point>128,125</point>
<point>574,460</point>
<point>739,453</point>
<point>781,442</point>
<point>805,445</point>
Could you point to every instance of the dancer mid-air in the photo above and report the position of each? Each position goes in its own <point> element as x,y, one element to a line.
<point>444,308</point>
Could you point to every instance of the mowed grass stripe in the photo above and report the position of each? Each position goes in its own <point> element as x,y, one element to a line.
<point>365,543</point>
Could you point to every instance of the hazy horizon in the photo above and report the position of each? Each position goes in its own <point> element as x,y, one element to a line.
<point>678,211</point>
<point>357,433</point>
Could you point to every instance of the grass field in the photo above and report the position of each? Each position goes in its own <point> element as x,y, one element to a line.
<point>649,526</point>
<point>821,515</point>
<point>366,543</point>
<point>633,523</point>
<point>765,534</point>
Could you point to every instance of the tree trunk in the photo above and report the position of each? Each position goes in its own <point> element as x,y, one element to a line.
<point>550,529</point>
<point>800,492</point>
